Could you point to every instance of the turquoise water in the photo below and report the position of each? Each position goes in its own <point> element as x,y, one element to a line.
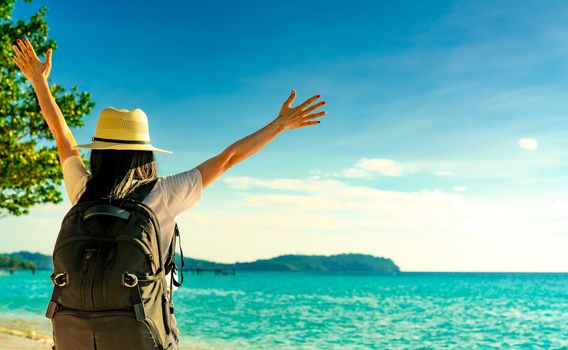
<point>265,310</point>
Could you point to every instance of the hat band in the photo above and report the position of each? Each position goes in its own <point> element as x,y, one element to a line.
<point>122,141</point>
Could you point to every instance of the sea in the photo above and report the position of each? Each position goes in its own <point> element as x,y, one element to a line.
<point>315,310</point>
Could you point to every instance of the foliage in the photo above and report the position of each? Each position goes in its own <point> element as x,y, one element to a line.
<point>41,261</point>
<point>29,167</point>
<point>15,263</point>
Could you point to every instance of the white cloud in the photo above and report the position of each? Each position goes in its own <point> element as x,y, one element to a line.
<point>309,185</point>
<point>365,168</point>
<point>420,230</point>
<point>385,167</point>
<point>368,168</point>
<point>374,209</point>
<point>528,144</point>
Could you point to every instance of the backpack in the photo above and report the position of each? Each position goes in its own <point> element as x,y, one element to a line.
<point>110,290</point>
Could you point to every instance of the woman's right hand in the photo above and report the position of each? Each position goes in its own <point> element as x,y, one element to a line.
<point>26,58</point>
<point>298,117</point>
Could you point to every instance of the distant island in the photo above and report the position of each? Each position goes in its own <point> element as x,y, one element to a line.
<point>323,263</point>
<point>349,262</point>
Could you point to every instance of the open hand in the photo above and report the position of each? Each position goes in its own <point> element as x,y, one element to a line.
<point>26,58</point>
<point>298,117</point>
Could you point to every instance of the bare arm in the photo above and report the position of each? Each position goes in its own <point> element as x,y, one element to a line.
<point>38,72</point>
<point>288,118</point>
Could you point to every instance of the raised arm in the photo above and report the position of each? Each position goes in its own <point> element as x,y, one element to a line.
<point>37,73</point>
<point>288,118</point>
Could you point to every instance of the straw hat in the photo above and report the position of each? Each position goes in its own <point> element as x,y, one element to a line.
<point>122,129</point>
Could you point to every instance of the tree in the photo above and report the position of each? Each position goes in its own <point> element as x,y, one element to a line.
<point>10,262</point>
<point>29,167</point>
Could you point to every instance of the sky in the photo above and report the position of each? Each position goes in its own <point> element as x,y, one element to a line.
<point>444,146</point>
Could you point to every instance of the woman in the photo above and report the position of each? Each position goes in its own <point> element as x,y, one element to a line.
<point>122,158</point>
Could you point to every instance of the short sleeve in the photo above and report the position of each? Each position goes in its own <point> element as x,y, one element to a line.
<point>75,177</point>
<point>182,190</point>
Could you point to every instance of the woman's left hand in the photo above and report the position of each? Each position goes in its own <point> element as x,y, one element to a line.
<point>26,58</point>
<point>298,117</point>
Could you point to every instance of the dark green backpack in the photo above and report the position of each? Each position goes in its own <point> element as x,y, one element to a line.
<point>110,290</point>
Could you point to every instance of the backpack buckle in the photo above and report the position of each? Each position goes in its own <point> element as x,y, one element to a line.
<point>129,280</point>
<point>60,279</point>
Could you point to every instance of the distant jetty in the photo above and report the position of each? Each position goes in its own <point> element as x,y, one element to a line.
<point>217,270</point>
<point>349,262</point>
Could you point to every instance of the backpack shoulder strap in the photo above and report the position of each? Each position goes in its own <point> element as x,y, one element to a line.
<point>171,266</point>
<point>171,262</point>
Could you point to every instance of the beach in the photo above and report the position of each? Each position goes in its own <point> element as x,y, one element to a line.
<point>34,333</point>
<point>12,342</point>
<point>18,341</point>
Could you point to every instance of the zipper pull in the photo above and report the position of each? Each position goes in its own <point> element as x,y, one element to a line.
<point>88,255</point>
<point>108,259</point>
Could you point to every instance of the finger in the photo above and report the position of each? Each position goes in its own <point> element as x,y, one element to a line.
<point>316,106</point>
<point>22,64</point>
<point>312,122</point>
<point>30,48</point>
<point>18,63</point>
<point>48,55</point>
<point>308,101</point>
<point>19,53</point>
<point>23,50</point>
<point>315,115</point>
<point>288,102</point>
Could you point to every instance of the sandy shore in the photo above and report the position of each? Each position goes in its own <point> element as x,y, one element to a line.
<point>14,340</point>
<point>33,332</point>
<point>11,339</point>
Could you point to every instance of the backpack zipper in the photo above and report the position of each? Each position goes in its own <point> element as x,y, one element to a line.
<point>142,246</point>
<point>105,266</point>
<point>94,275</point>
<point>87,256</point>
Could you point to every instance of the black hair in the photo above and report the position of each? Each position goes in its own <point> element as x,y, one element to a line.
<point>113,172</point>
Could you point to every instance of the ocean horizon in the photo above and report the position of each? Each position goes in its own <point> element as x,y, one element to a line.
<point>322,310</point>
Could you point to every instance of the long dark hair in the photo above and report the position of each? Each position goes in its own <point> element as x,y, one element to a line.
<point>114,170</point>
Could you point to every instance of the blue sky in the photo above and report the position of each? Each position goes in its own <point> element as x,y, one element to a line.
<point>418,159</point>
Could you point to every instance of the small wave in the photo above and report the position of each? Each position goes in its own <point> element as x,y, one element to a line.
<point>211,291</point>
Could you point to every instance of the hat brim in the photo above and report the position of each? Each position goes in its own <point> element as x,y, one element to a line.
<point>121,146</point>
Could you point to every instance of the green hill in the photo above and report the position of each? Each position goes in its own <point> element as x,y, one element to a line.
<point>332,263</point>
<point>324,263</point>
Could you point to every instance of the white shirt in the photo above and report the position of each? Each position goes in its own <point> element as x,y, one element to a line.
<point>170,196</point>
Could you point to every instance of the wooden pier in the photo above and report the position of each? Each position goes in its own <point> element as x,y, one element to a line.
<point>216,270</point>
<point>12,269</point>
